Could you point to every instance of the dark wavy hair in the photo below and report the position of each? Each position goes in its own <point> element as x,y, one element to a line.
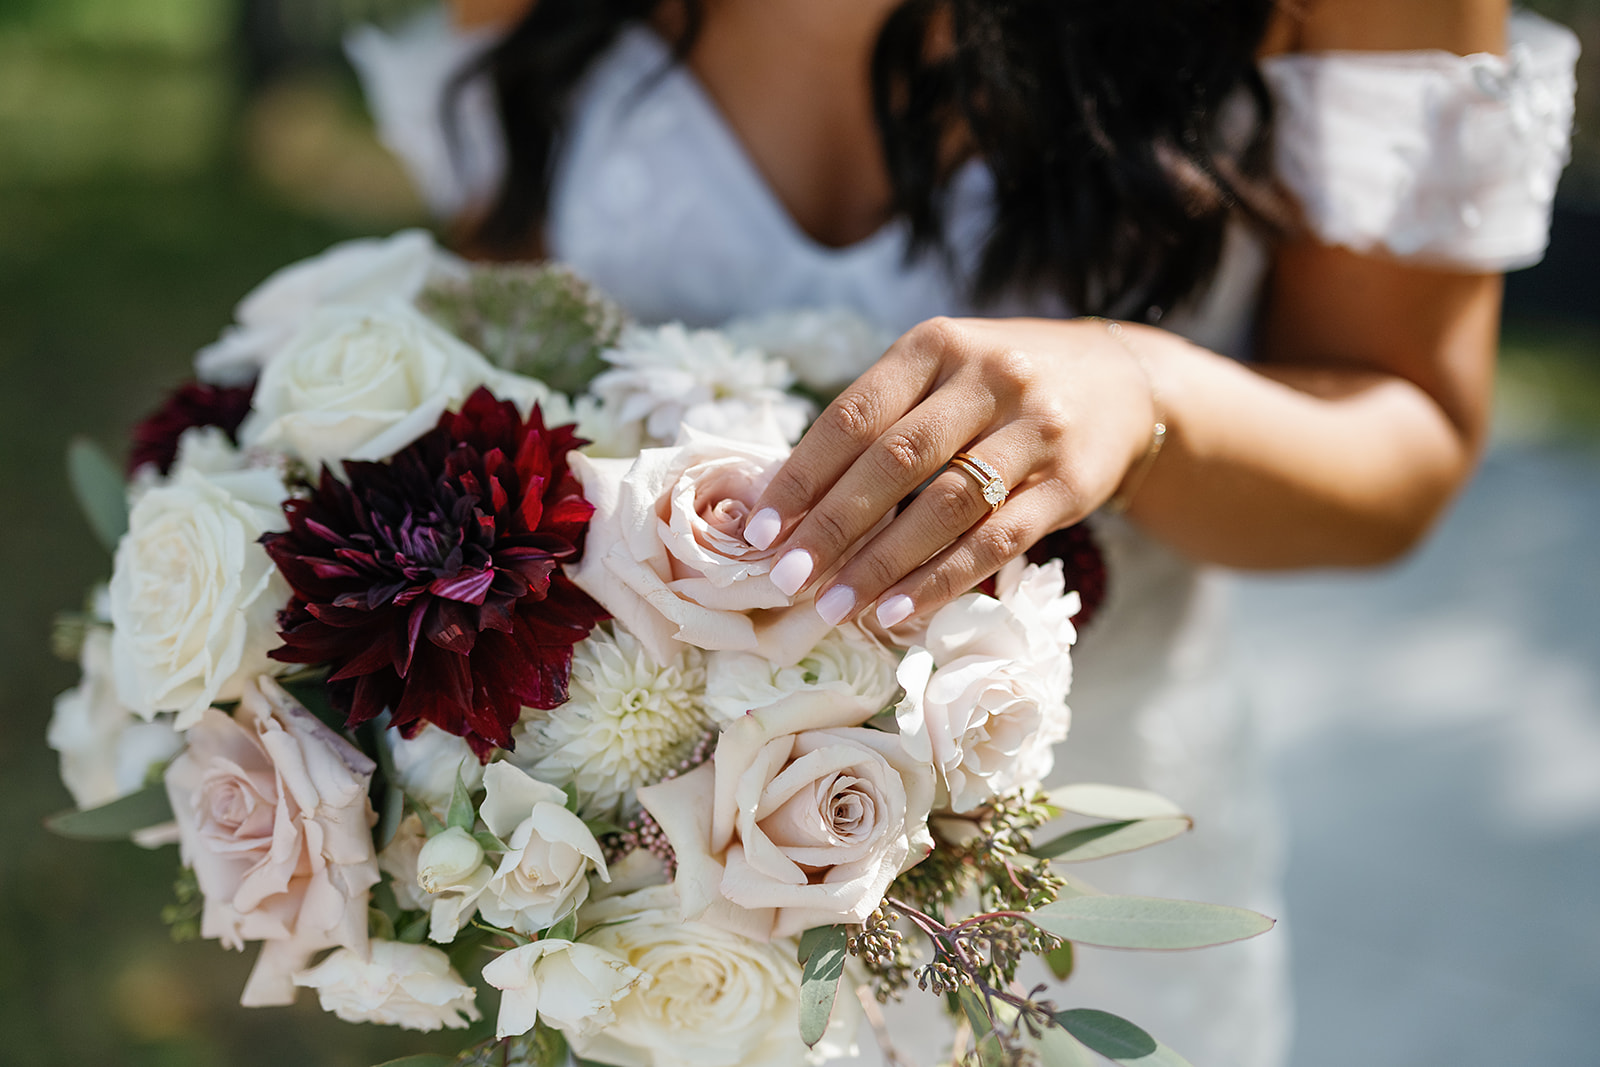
<point>1123,135</point>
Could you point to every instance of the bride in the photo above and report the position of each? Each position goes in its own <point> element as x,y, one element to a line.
<point>1292,216</point>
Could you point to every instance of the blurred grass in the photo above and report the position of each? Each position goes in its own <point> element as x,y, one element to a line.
<point>140,197</point>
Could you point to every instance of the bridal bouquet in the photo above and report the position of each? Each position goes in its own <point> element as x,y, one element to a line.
<point>432,641</point>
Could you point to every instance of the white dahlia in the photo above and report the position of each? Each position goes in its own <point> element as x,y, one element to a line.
<point>626,722</point>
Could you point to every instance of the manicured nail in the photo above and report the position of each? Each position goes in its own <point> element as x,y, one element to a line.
<point>894,611</point>
<point>835,604</point>
<point>762,529</point>
<point>791,571</point>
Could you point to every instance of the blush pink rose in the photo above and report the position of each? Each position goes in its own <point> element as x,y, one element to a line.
<point>666,554</point>
<point>801,819</point>
<point>272,814</point>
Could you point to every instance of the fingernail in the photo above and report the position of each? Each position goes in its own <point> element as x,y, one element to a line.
<point>835,604</point>
<point>791,571</point>
<point>762,529</point>
<point>894,611</point>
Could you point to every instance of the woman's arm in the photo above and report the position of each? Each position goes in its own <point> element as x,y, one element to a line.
<point>1364,414</point>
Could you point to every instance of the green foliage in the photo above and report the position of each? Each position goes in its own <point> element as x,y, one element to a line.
<point>1112,838</point>
<point>116,820</point>
<point>822,953</point>
<point>1147,922</point>
<point>1111,802</point>
<point>1117,1039</point>
<point>183,915</point>
<point>312,694</point>
<point>462,814</point>
<point>565,930</point>
<point>100,489</point>
<point>541,321</point>
<point>1060,960</point>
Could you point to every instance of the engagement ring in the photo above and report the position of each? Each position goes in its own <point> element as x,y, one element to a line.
<point>988,479</point>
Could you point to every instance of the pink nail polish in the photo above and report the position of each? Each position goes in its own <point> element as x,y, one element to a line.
<point>791,571</point>
<point>835,604</point>
<point>762,529</point>
<point>894,611</point>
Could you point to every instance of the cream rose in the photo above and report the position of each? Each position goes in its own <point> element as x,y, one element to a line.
<point>571,986</point>
<point>666,554</point>
<point>985,700</point>
<point>543,876</point>
<point>273,816</point>
<point>360,383</point>
<point>194,599</point>
<point>106,751</point>
<point>715,999</point>
<point>398,859</point>
<point>801,819</point>
<point>394,984</point>
<point>847,663</point>
<point>359,273</point>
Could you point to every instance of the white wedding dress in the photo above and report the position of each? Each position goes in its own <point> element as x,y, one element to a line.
<point>1425,156</point>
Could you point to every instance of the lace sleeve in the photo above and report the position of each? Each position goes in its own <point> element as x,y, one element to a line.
<point>1430,157</point>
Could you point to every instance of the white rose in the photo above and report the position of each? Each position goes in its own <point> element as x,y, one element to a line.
<point>359,273</point>
<point>360,384</point>
<point>106,751</point>
<point>985,700</point>
<point>626,723</point>
<point>194,598</point>
<point>398,860</point>
<point>273,816</point>
<point>715,999</point>
<point>426,765</point>
<point>801,819</point>
<point>828,347</point>
<point>543,876</point>
<point>665,378</point>
<point>409,986</point>
<point>450,858</point>
<point>847,663</point>
<point>571,986</point>
<point>666,553</point>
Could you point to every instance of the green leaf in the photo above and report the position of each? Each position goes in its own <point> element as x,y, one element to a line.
<point>1111,838</point>
<point>1060,961</point>
<point>379,926</point>
<point>413,932</point>
<point>116,820</point>
<point>462,814</point>
<point>1058,1048</point>
<point>990,1052</point>
<point>490,843</point>
<point>1147,922</point>
<point>312,693</point>
<point>427,1059</point>
<point>571,791</point>
<point>1112,802</point>
<point>822,954</point>
<point>602,827</point>
<point>1117,1039</point>
<point>430,822</point>
<point>101,490</point>
<point>565,930</point>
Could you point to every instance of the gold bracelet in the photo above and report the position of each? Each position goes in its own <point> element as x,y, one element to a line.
<point>1158,432</point>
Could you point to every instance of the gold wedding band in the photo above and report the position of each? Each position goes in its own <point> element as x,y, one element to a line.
<point>988,479</point>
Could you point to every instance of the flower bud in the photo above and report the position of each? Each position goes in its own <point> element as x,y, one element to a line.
<point>448,860</point>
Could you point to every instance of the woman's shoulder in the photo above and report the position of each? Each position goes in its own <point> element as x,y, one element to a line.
<point>1461,26</point>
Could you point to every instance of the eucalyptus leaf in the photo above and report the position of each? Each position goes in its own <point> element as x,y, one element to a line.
<point>101,490</point>
<point>1114,802</point>
<point>1117,1039</point>
<point>1147,922</point>
<point>462,814</point>
<point>985,1043</point>
<point>116,820</point>
<point>1111,839</point>
<point>822,955</point>
<point>427,1059</point>
<point>1058,1048</point>
<point>1060,961</point>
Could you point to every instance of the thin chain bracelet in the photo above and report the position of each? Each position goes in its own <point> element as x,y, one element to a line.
<point>1158,432</point>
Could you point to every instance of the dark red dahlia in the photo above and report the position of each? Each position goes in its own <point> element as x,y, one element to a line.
<point>155,440</point>
<point>432,583</point>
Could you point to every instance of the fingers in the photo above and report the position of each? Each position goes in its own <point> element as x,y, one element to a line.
<point>849,426</point>
<point>941,514</point>
<point>975,555</point>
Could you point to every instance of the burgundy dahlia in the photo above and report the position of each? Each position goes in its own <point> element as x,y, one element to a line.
<point>155,440</point>
<point>432,583</point>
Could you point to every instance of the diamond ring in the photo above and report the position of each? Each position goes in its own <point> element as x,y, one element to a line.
<point>988,479</point>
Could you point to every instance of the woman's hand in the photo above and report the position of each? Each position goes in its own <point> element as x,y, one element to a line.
<point>1059,409</point>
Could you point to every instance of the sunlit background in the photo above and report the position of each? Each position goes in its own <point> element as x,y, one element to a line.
<point>1436,727</point>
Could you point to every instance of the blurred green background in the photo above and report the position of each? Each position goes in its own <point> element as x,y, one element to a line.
<point>157,159</point>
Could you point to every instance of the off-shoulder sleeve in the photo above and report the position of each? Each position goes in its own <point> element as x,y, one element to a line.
<point>1431,157</point>
<point>450,144</point>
